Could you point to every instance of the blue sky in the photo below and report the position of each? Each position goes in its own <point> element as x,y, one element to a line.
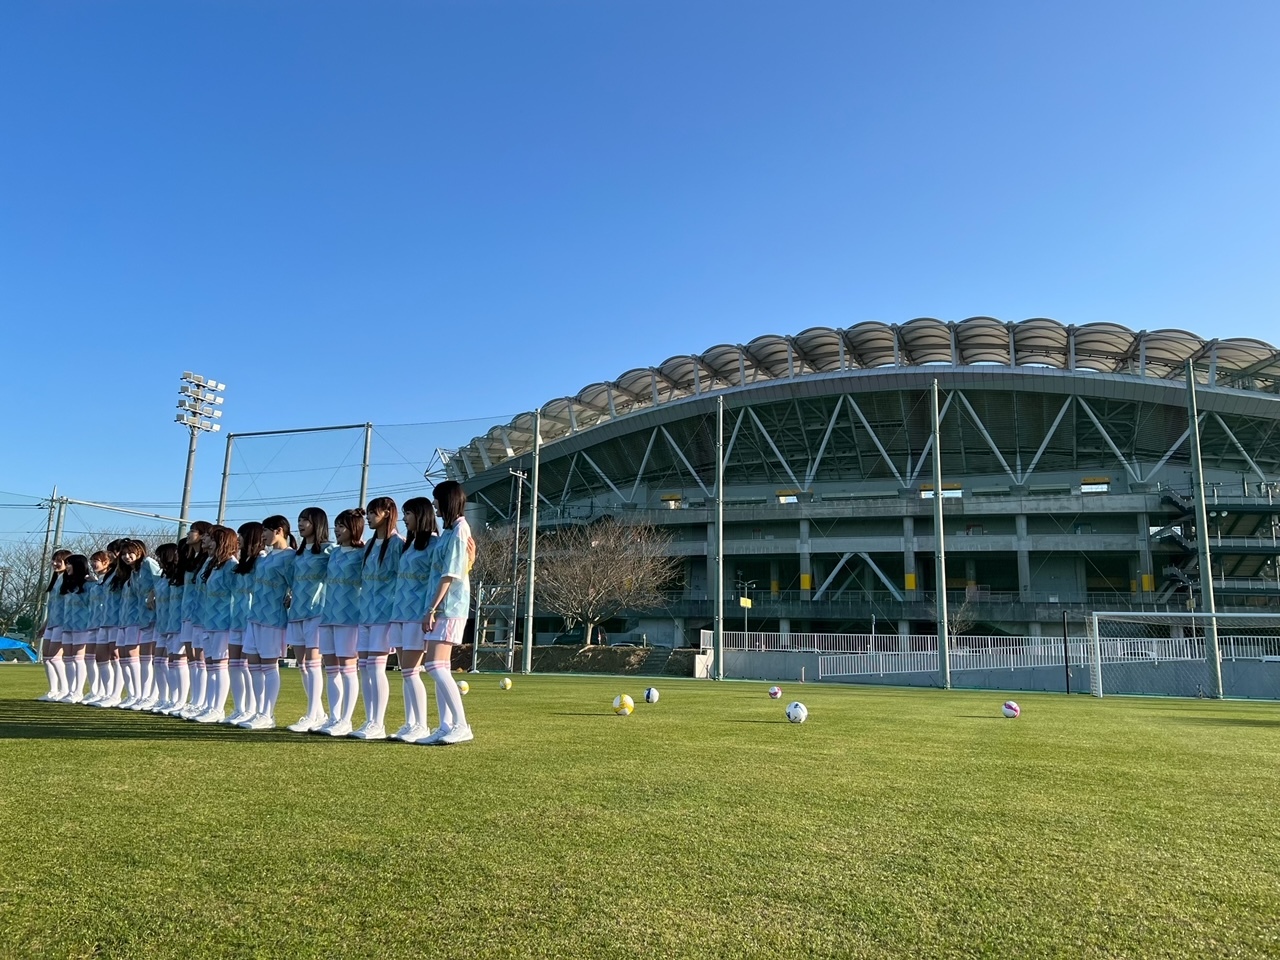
<point>443,211</point>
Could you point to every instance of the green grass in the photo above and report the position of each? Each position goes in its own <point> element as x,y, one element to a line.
<point>895,823</point>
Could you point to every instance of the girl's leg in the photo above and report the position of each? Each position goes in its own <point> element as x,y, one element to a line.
<point>219,680</point>
<point>415,697</point>
<point>453,718</point>
<point>238,676</point>
<point>52,663</point>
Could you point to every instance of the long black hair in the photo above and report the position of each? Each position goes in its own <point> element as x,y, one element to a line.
<point>389,505</point>
<point>58,555</point>
<point>319,521</point>
<point>421,508</point>
<point>252,535</point>
<point>76,573</point>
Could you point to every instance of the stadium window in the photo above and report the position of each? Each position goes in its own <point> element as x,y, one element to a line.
<point>948,492</point>
<point>788,498</point>
<point>1095,485</point>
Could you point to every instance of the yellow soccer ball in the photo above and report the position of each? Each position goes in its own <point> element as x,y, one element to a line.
<point>463,687</point>
<point>623,705</point>
<point>504,683</point>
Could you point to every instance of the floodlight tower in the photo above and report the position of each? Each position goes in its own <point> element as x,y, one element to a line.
<point>198,401</point>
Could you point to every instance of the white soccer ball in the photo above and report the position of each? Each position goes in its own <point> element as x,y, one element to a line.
<point>623,705</point>
<point>775,693</point>
<point>651,695</point>
<point>1011,710</point>
<point>504,683</point>
<point>463,687</point>
<point>797,712</point>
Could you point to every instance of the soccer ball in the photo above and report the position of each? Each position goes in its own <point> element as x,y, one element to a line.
<point>651,695</point>
<point>1011,710</point>
<point>463,687</point>
<point>504,683</point>
<point>797,712</point>
<point>623,705</point>
<point>775,693</point>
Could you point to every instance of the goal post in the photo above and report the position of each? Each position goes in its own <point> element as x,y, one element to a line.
<point>1212,655</point>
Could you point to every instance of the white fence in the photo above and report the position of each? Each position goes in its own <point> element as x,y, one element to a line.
<point>865,654</point>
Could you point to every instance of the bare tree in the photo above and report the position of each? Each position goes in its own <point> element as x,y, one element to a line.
<point>588,573</point>
<point>961,619</point>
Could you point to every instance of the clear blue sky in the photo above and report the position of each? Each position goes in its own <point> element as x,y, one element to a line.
<point>427,211</point>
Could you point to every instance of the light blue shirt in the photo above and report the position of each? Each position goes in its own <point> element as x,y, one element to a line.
<point>309,571</point>
<point>192,597</point>
<point>242,585</point>
<point>75,611</point>
<point>216,611</point>
<point>452,562</point>
<point>342,587</point>
<point>136,612</point>
<point>53,613</point>
<point>112,604</point>
<point>414,583</point>
<point>95,588</point>
<point>378,579</point>
<point>272,577</point>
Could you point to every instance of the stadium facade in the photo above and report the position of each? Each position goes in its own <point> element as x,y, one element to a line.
<point>1065,458</point>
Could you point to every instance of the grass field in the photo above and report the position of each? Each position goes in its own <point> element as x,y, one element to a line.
<point>895,823</point>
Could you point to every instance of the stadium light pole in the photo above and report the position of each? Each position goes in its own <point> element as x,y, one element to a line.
<point>939,549</point>
<point>717,632</point>
<point>198,401</point>
<point>526,665</point>
<point>1207,606</point>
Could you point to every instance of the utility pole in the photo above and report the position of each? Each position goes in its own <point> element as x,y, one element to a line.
<point>527,666</point>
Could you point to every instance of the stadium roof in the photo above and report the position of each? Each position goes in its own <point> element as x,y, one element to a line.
<point>1239,363</point>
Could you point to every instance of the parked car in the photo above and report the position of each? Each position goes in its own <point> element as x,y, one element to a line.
<point>573,637</point>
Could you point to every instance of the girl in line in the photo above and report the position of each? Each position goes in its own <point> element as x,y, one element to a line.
<point>377,590</point>
<point>168,606</point>
<point>99,569</point>
<point>446,617</point>
<point>104,654</point>
<point>216,614</point>
<point>310,563</point>
<point>244,659</point>
<point>340,619</point>
<point>191,633</point>
<point>268,619</point>
<point>413,585</point>
<point>51,634</point>
<point>139,623</point>
<point>76,615</point>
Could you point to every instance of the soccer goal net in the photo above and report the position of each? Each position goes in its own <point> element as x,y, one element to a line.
<point>1185,654</point>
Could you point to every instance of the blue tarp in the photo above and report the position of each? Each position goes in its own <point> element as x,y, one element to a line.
<point>21,646</point>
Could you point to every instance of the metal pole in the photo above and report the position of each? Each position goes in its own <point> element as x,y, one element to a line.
<point>939,548</point>
<point>527,666</point>
<point>515,574</point>
<point>1211,654</point>
<point>59,523</point>
<point>1066,652</point>
<point>226,480</point>
<point>42,598</point>
<point>717,630</point>
<point>184,513</point>
<point>364,464</point>
<point>479,631</point>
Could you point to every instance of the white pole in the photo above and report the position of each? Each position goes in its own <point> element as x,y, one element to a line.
<point>527,658</point>
<point>717,632</point>
<point>939,549</point>
<point>1211,653</point>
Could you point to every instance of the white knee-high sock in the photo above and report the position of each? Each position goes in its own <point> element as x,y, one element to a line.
<point>313,683</point>
<point>147,677</point>
<point>136,688</point>
<point>182,681</point>
<point>117,679</point>
<point>199,688</point>
<point>270,673</point>
<point>380,686</point>
<point>362,674</point>
<point>258,678</point>
<point>57,672</point>
<point>91,671</point>
<point>160,670</point>
<point>415,697</point>
<point>333,687</point>
<point>237,676</point>
<point>78,674</point>
<point>448,699</point>
<point>350,691</point>
<point>220,682</point>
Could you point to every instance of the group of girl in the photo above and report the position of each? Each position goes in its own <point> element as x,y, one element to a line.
<point>208,618</point>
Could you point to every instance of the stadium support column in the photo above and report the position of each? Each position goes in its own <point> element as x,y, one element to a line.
<point>1202,540</point>
<point>909,557</point>
<point>526,664</point>
<point>226,479</point>
<point>806,561</point>
<point>775,583</point>
<point>939,547</point>
<point>1023,544</point>
<point>717,595</point>
<point>364,464</point>
<point>1146,567</point>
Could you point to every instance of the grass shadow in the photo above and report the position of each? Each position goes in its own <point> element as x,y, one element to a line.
<point>35,721</point>
<point>1265,723</point>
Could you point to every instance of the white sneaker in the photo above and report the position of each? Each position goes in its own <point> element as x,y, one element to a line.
<point>432,738</point>
<point>457,735</point>
<point>306,724</point>
<point>401,733</point>
<point>359,731</point>
<point>238,717</point>
<point>190,711</point>
<point>45,697</point>
<point>148,703</point>
<point>339,728</point>
<point>418,734</point>
<point>211,716</point>
<point>75,698</point>
<point>109,703</point>
<point>375,731</point>
<point>91,700</point>
<point>259,722</point>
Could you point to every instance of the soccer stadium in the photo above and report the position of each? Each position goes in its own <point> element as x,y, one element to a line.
<point>1065,456</point>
